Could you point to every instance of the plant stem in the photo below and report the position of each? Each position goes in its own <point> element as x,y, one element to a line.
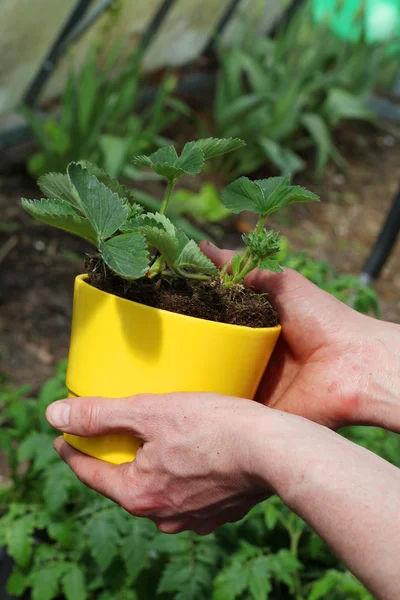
<point>167,196</point>
<point>196,276</point>
<point>156,267</point>
<point>245,265</point>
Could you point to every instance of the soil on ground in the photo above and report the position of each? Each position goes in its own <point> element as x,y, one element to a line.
<point>201,299</point>
<point>38,264</point>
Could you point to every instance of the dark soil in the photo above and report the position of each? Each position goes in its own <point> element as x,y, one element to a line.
<point>202,299</point>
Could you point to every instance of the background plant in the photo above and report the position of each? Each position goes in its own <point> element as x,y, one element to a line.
<point>67,542</point>
<point>102,119</point>
<point>289,93</point>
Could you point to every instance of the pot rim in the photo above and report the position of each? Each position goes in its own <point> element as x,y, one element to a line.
<point>81,279</point>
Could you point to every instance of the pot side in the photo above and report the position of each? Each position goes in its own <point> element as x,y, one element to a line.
<point>120,348</point>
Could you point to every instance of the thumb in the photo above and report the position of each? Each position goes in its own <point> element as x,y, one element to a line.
<point>94,416</point>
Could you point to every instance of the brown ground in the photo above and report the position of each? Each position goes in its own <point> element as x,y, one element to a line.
<point>38,264</point>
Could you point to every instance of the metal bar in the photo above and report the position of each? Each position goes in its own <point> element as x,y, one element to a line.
<point>384,244</point>
<point>226,17</point>
<point>50,61</point>
<point>153,27</point>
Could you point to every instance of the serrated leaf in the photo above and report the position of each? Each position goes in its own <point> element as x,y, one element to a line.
<point>103,539</point>
<point>58,185</point>
<point>260,578</point>
<point>105,209</point>
<point>134,551</point>
<point>288,194</point>
<point>269,264</point>
<point>231,582</point>
<point>45,581</point>
<point>19,539</point>
<point>126,255</point>
<point>191,160</point>
<point>38,448</point>
<point>56,487</point>
<point>73,584</point>
<point>284,566</point>
<point>111,182</point>
<point>60,214</point>
<point>191,257</point>
<point>271,515</point>
<point>17,583</point>
<point>165,161</point>
<point>212,147</point>
<point>235,263</point>
<point>243,194</point>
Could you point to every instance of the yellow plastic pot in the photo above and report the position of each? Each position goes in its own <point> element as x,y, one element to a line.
<point>120,348</point>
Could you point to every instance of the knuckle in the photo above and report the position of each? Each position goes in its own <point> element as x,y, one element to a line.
<point>89,416</point>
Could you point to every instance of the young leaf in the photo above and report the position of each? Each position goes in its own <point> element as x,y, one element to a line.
<point>285,566</point>
<point>126,255</point>
<point>105,209</point>
<point>244,194</point>
<point>235,264</point>
<point>192,258</point>
<point>268,264</point>
<point>211,147</point>
<point>73,584</point>
<point>264,196</point>
<point>165,161</point>
<point>60,214</point>
<point>58,185</point>
<point>191,160</point>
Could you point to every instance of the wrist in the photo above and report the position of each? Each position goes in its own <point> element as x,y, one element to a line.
<point>379,399</point>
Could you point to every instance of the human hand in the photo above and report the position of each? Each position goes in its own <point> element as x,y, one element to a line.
<point>197,467</point>
<point>331,365</point>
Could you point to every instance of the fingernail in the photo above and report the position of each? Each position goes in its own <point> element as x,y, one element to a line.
<point>57,414</point>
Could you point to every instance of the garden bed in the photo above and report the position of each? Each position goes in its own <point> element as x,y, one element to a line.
<point>38,264</point>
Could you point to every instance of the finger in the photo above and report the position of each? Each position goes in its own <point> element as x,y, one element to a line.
<point>105,478</point>
<point>94,416</point>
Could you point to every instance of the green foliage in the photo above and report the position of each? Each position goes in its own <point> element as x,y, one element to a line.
<point>68,543</point>
<point>90,203</point>
<point>346,288</point>
<point>204,206</point>
<point>289,93</point>
<point>99,118</point>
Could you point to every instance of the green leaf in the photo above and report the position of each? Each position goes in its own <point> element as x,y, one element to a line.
<point>113,184</point>
<point>161,233</point>
<point>285,566</point>
<point>320,134</point>
<point>73,584</point>
<point>58,185</point>
<point>19,539</point>
<point>105,209</point>
<point>17,582</point>
<point>231,582</point>
<point>244,194</point>
<point>38,448</point>
<point>268,264</point>
<point>103,539</point>
<point>285,159</point>
<point>126,255</point>
<point>56,487</point>
<point>165,161</point>
<point>191,160</point>
<point>45,581</point>
<point>60,214</point>
<point>341,104</point>
<point>211,147</point>
<point>271,515</point>
<point>134,550</point>
<point>235,263</point>
<point>260,578</point>
<point>191,257</point>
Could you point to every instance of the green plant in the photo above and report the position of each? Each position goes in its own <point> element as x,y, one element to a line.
<point>287,94</point>
<point>346,288</point>
<point>99,118</point>
<point>69,543</point>
<point>89,203</point>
